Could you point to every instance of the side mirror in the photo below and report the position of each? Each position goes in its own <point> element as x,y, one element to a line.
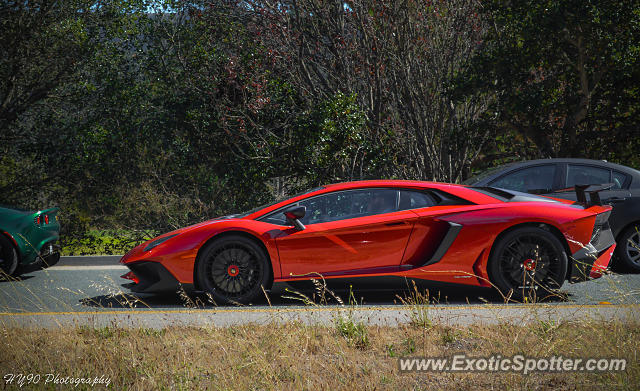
<point>294,214</point>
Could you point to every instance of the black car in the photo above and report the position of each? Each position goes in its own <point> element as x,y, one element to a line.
<point>556,178</point>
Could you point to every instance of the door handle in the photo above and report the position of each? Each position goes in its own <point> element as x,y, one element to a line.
<point>614,200</point>
<point>394,223</point>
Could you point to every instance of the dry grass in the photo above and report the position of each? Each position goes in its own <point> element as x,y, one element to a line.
<point>297,356</point>
<point>345,354</point>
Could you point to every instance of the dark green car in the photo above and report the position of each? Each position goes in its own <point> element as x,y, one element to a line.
<point>28,240</point>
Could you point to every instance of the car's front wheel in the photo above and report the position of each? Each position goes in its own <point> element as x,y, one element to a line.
<point>233,269</point>
<point>628,249</point>
<point>528,264</point>
<point>8,257</point>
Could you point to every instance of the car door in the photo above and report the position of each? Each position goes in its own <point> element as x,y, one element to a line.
<point>347,232</point>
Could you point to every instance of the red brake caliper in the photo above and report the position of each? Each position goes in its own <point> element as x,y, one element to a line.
<point>233,270</point>
<point>530,264</point>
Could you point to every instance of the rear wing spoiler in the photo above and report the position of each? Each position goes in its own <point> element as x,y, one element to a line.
<point>592,190</point>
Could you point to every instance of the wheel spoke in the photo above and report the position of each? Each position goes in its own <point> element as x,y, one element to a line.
<point>513,253</point>
<point>244,258</point>
<point>633,248</point>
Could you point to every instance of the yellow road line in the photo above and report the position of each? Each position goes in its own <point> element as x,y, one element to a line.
<point>315,309</point>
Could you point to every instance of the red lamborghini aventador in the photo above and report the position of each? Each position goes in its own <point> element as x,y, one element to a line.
<point>518,243</point>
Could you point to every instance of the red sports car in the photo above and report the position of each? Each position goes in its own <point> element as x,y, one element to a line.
<point>519,243</point>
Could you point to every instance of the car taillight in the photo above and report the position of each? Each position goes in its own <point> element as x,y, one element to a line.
<point>46,219</point>
<point>37,220</point>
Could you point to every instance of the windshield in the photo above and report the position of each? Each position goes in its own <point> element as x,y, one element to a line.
<point>254,210</point>
<point>477,178</point>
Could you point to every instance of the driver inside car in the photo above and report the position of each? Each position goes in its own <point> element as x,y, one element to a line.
<point>382,202</point>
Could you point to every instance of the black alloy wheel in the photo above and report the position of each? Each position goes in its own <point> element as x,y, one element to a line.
<point>233,269</point>
<point>528,264</point>
<point>628,249</point>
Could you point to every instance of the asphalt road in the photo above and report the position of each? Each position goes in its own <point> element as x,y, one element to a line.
<point>86,290</point>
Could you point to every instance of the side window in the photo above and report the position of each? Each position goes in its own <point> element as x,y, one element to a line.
<point>343,205</point>
<point>276,217</point>
<point>349,204</point>
<point>618,180</point>
<point>586,175</point>
<point>537,179</point>
<point>414,199</point>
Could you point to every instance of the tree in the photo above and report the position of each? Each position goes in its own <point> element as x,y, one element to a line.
<point>566,71</point>
<point>404,61</point>
<point>43,47</point>
<point>441,111</point>
<point>42,44</point>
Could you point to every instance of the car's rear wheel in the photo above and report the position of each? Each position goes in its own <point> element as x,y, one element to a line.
<point>233,269</point>
<point>8,257</point>
<point>628,249</point>
<point>528,264</point>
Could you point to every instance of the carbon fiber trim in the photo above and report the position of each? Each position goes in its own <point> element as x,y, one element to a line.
<point>447,241</point>
<point>581,261</point>
<point>153,278</point>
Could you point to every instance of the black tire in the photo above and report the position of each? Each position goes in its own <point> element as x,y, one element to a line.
<point>233,269</point>
<point>528,263</point>
<point>628,249</point>
<point>8,257</point>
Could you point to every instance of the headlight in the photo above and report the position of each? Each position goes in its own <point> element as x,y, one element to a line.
<point>158,242</point>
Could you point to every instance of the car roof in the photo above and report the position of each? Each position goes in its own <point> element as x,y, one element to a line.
<point>461,191</point>
<point>500,170</point>
<point>398,183</point>
<point>385,183</point>
<point>616,166</point>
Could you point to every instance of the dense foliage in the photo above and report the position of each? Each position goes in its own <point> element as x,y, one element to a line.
<point>141,115</point>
